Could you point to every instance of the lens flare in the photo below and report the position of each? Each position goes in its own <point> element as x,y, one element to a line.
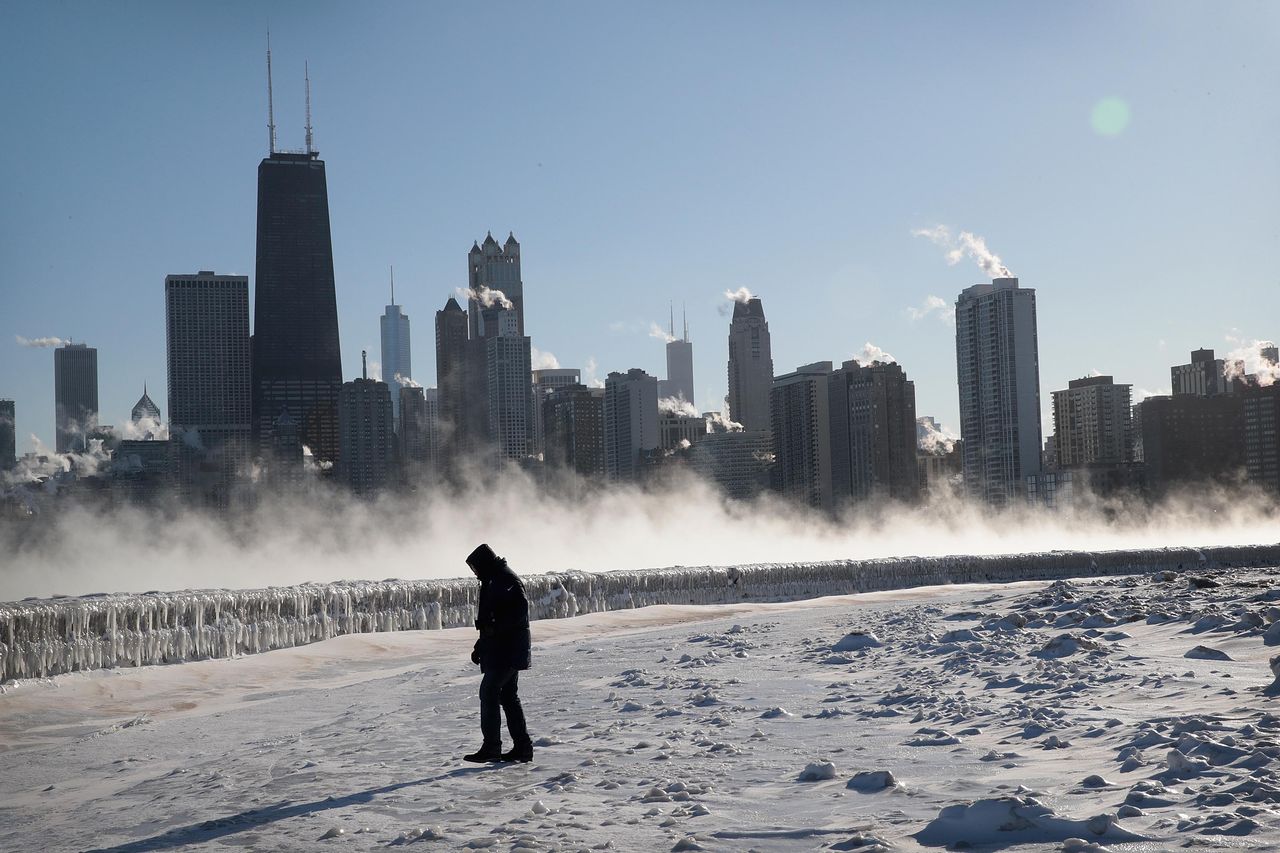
<point>1110,117</point>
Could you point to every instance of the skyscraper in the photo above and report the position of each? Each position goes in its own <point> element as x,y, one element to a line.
<point>451,372</point>
<point>145,408</point>
<point>546,381</point>
<point>8,435</point>
<point>1092,424</point>
<point>297,363</point>
<point>873,433</point>
<point>509,388</point>
<point>419,428</point>
<point>573,416</point>
<point>366,435</point>
<point>210,391</point>
<point>75,394</point>
<point>494,267</point>
<point>630,423</point>
<point>1261,435</point>
<point>801,428</point>
<point>679,381</point>
<point>750,366</point>
<point>397,361</point>
<point>998,368</point>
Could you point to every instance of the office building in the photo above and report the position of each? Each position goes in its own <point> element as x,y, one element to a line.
<point>750,366</point>
<point>75,394</point>
<point>1205,376</point>
<point>630,424</point>
<point>997,365</point>
<point>451,374</point>
<point>367,435</point>
<point>510,389</point>
<point>210,388</point>
<point>1190,439</point>
<point>397,360</point>
<point>145,409</point>
<point>801,430</point>
<point>8,435</point>
<point>736,461</point>
<point>873,433</point>
<point>491,267</point>
<point>679,431</point>
<point>679,381</point>
<point>546,381</point>
<point>573,418</point>
<point>419,428</point>
<point>297,361</point>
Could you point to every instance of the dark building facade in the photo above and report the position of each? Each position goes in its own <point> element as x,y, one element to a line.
<point>1262,436</point>
<point>297,364</point>
<point>801,430</point>
<point>1189,439</point>
<point>8,435</point>
<point>75,395</point>
<point>873,433</point>
<point>750,366</point>
<point>573,417</point>
<point>494,267</point>
<point>366,427</point>
<point>210,391</point>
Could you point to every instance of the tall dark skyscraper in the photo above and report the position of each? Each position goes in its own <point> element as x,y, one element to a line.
<point>207,341</point>
<point>75,393</point>
<point>8,435</point>
<point>297,363</point>
<point>494,267</point>
<point>750,366</point>
<point>451,372</point>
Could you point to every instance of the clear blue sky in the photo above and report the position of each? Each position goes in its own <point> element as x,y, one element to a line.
<point>652,152</point>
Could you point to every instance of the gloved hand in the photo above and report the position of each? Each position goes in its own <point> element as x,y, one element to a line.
<point>475,656</point>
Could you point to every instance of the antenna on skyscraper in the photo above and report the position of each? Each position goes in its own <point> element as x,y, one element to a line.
<point>271,107</point>
<point>671,306</point>
<point>393,284</point>
<point>364,364</point>
<point>684,311</point>
<point>306,73</point>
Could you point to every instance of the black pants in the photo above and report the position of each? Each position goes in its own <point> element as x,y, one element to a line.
<point>498,690</point>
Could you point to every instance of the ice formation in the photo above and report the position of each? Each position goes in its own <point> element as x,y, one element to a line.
<point>40,638</point>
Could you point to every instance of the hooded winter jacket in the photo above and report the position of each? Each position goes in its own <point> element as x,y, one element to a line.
<point>503,614</point>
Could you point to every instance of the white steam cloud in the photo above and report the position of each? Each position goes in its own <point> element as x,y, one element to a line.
<point>656,331</point>
<point>965,244</point>
<point>540,360</point>
<point>486,297</point>
<point>678,406</point>
<point>1247,360</point>
<point>872,353</point>
<point>40,342</point>
<point>740,295</point>
<point>721,422</point>
<point>590,373</point>
<point>933,305</point>
<point>405,382</point>
<point>932,438</point>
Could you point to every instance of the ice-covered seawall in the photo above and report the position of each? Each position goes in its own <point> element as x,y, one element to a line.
<point>49,637</point>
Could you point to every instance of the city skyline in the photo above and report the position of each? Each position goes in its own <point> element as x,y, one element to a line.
<point>1121,260</point>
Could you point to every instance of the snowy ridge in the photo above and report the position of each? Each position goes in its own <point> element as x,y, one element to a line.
<point>43,638</point>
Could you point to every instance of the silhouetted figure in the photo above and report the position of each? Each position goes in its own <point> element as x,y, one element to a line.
<point>502,651</point>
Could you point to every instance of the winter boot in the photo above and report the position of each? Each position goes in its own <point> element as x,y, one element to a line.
<point>488,753</point>
<point>522,752</point>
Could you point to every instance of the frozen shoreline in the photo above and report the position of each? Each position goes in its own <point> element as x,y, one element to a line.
<point>48,637</point>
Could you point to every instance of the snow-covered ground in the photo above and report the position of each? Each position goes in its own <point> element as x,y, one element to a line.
<point>1130,712</point>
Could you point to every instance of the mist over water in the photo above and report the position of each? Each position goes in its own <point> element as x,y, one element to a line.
<point>681,522</point>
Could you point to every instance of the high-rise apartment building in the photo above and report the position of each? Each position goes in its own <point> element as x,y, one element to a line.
<point>545,382</point>
<point>8,435</point>
<point>736,461</point>
<point>573,418</point>
<point>630,424</point>
<point>297,362</point>
<point>365,461</point>
<point>750,366</point>
<point>801,430</point>
<point>998,368</point>
<point>451,373</point>
<point>1189,439</point>
<point>1205,376</point>
<point>397,360</point>
<point>419,427</point>
<point>873,433</point>
<point>1092,423</point>
<point>210,381</point>
<point>75,394</point>
<point>510,389</point>
<point>1261,406</point>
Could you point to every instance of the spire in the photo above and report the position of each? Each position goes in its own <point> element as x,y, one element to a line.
<point>364,364</point>
<point>271,108</point>
<point>306,75</point>
<point>393,285</point>
<point>684,310</point>
<point>671,307</point>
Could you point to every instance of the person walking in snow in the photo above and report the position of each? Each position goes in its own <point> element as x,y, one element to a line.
<point>502,651</point>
